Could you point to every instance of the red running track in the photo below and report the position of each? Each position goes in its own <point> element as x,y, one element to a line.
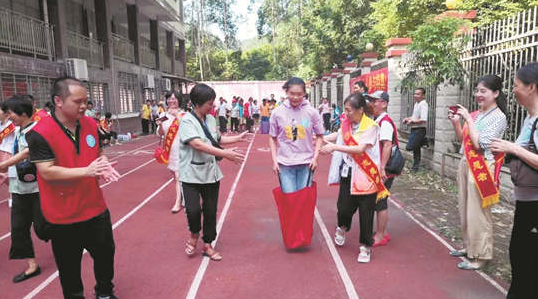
<point>150,262</point>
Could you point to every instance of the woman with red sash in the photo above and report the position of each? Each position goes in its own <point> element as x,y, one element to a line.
<point>478,171</point>
<point>169,128</point>
<point>355,166</point>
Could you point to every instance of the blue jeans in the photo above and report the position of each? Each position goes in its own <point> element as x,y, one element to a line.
<point>294,178</point>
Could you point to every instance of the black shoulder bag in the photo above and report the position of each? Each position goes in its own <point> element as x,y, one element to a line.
<point>208,135</point>
<point>521,173</point>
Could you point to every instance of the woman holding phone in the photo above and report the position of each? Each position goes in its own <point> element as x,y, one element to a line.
<point>478,171</point>
<point>524,240</point>
<point>168,127</point>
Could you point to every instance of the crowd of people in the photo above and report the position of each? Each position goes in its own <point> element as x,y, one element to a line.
<point>38,150</point>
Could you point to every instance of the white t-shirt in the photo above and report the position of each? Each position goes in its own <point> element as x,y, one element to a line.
<point>420,111</point>
<point>526,193</point>
<point>222,109</point>
<point>235,111</point>
<point>386,131</point>
<point>8,142</point>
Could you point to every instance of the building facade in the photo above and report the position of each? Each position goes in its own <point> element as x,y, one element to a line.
<point>126,51</point>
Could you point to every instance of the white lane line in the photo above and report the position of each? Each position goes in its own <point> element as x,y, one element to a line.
<point>53,276</point>
<point>205,261</point>
<point>350,288</point>
<point>5,236</point>
<point>132,151</point>
<point>5,200</point>
<point>104,185</point>
<point>447,245</point>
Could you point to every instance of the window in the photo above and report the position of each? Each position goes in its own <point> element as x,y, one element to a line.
<point>127,89</point>
<point>98,94</point>
<point>39,87</point>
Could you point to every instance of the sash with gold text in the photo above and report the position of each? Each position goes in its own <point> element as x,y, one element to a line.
<point>364,161</point>
<point>6,131</point>
<point>487,186</point>
<point>162,155</point>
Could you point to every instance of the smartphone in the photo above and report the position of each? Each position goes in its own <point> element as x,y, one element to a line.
<point>453,109</point>
<point>164,118</point>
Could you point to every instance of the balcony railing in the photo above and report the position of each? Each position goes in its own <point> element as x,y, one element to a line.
<point>178,68</point>
<point>20,34</point>
<point>80,46</point>
<point>166,63</point>
<point>123,48</point>
<point>147,57</point>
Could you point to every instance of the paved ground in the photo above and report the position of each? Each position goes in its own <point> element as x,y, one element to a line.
<point>150,262</point>
<point>434,201</point>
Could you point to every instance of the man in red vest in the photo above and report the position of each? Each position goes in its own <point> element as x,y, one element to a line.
<point>65,149</point>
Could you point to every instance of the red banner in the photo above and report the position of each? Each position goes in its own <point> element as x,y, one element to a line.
<point>375,80</point>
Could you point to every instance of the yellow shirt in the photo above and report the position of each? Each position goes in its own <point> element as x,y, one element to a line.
<point>265,110</point>
<point>146,111</point>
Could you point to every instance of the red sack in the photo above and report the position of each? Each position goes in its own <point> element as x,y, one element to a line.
<point>296,213</point>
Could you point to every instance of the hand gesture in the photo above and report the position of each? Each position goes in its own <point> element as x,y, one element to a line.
<point>454,118</point>
<point>463,112</point>
<point>102,167</point>
<point>245,137</point>
<point>234,155</point>
<point>328,148</point>
<point>276,169</point>
<point>502,146</point>
<point>383,174</point>
<point>313,165</point>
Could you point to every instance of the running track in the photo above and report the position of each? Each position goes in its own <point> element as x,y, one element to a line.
<point>150,262</point>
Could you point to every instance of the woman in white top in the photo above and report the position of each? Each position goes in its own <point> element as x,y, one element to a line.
<point>524,240</point>
<point>6,144</point>
<point>173,102</point>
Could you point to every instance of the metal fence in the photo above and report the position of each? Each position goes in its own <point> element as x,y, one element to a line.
<point>340,93</point>
<point>407,104</point>
<point>83,47</point>
<point>178,68</point>
<point>20,34</point>
<point>148,57</point>
<point>123,48</point>
<point>501,48</point>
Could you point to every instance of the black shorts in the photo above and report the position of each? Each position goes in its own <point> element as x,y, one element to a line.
<point>382,204</point>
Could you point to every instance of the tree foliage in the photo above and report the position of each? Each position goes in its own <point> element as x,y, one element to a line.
<point>435,54</point>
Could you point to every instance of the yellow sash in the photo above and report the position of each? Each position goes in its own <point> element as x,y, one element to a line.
<point>6,131</point>
<point>486,184</point>
<point>163,156</point>
<point>366,164</point>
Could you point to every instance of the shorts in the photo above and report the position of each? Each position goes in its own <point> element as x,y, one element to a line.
<point>382,204</point>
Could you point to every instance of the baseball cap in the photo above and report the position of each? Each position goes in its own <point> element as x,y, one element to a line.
<point>379,95</point>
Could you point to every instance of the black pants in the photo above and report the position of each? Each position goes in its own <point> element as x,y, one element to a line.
<point>524,251</point>
<point>249,123</point>
<point>153,126</point>
<point>68,243</point>
<point>347,206</point>
<point>25,210</point>
<point>223,123</point>
<point>210,195</point>
<point>416,140</point>
<point>145,126</point>
<point>235,124</point>
<point>327,121</point>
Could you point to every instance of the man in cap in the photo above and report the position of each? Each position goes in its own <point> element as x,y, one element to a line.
<point>387,137</point>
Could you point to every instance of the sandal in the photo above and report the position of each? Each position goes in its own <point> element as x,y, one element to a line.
<point>175,210</point>
<point>214,256</point>
<point>190,249</point>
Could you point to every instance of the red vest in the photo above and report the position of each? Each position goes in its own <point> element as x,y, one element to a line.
<point>65,202</point>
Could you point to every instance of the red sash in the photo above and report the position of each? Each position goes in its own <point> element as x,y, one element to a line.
<point>6,131</point>
<point>487,186</point>
<point>39,115</point>
<point>364,161</point>
<point>162,155</point>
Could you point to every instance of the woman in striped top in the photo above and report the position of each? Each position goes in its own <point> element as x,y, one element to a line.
<point>487,123</point>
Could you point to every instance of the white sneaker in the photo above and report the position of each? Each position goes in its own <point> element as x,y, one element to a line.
<point>364,255</point>
<point>340,237</point>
